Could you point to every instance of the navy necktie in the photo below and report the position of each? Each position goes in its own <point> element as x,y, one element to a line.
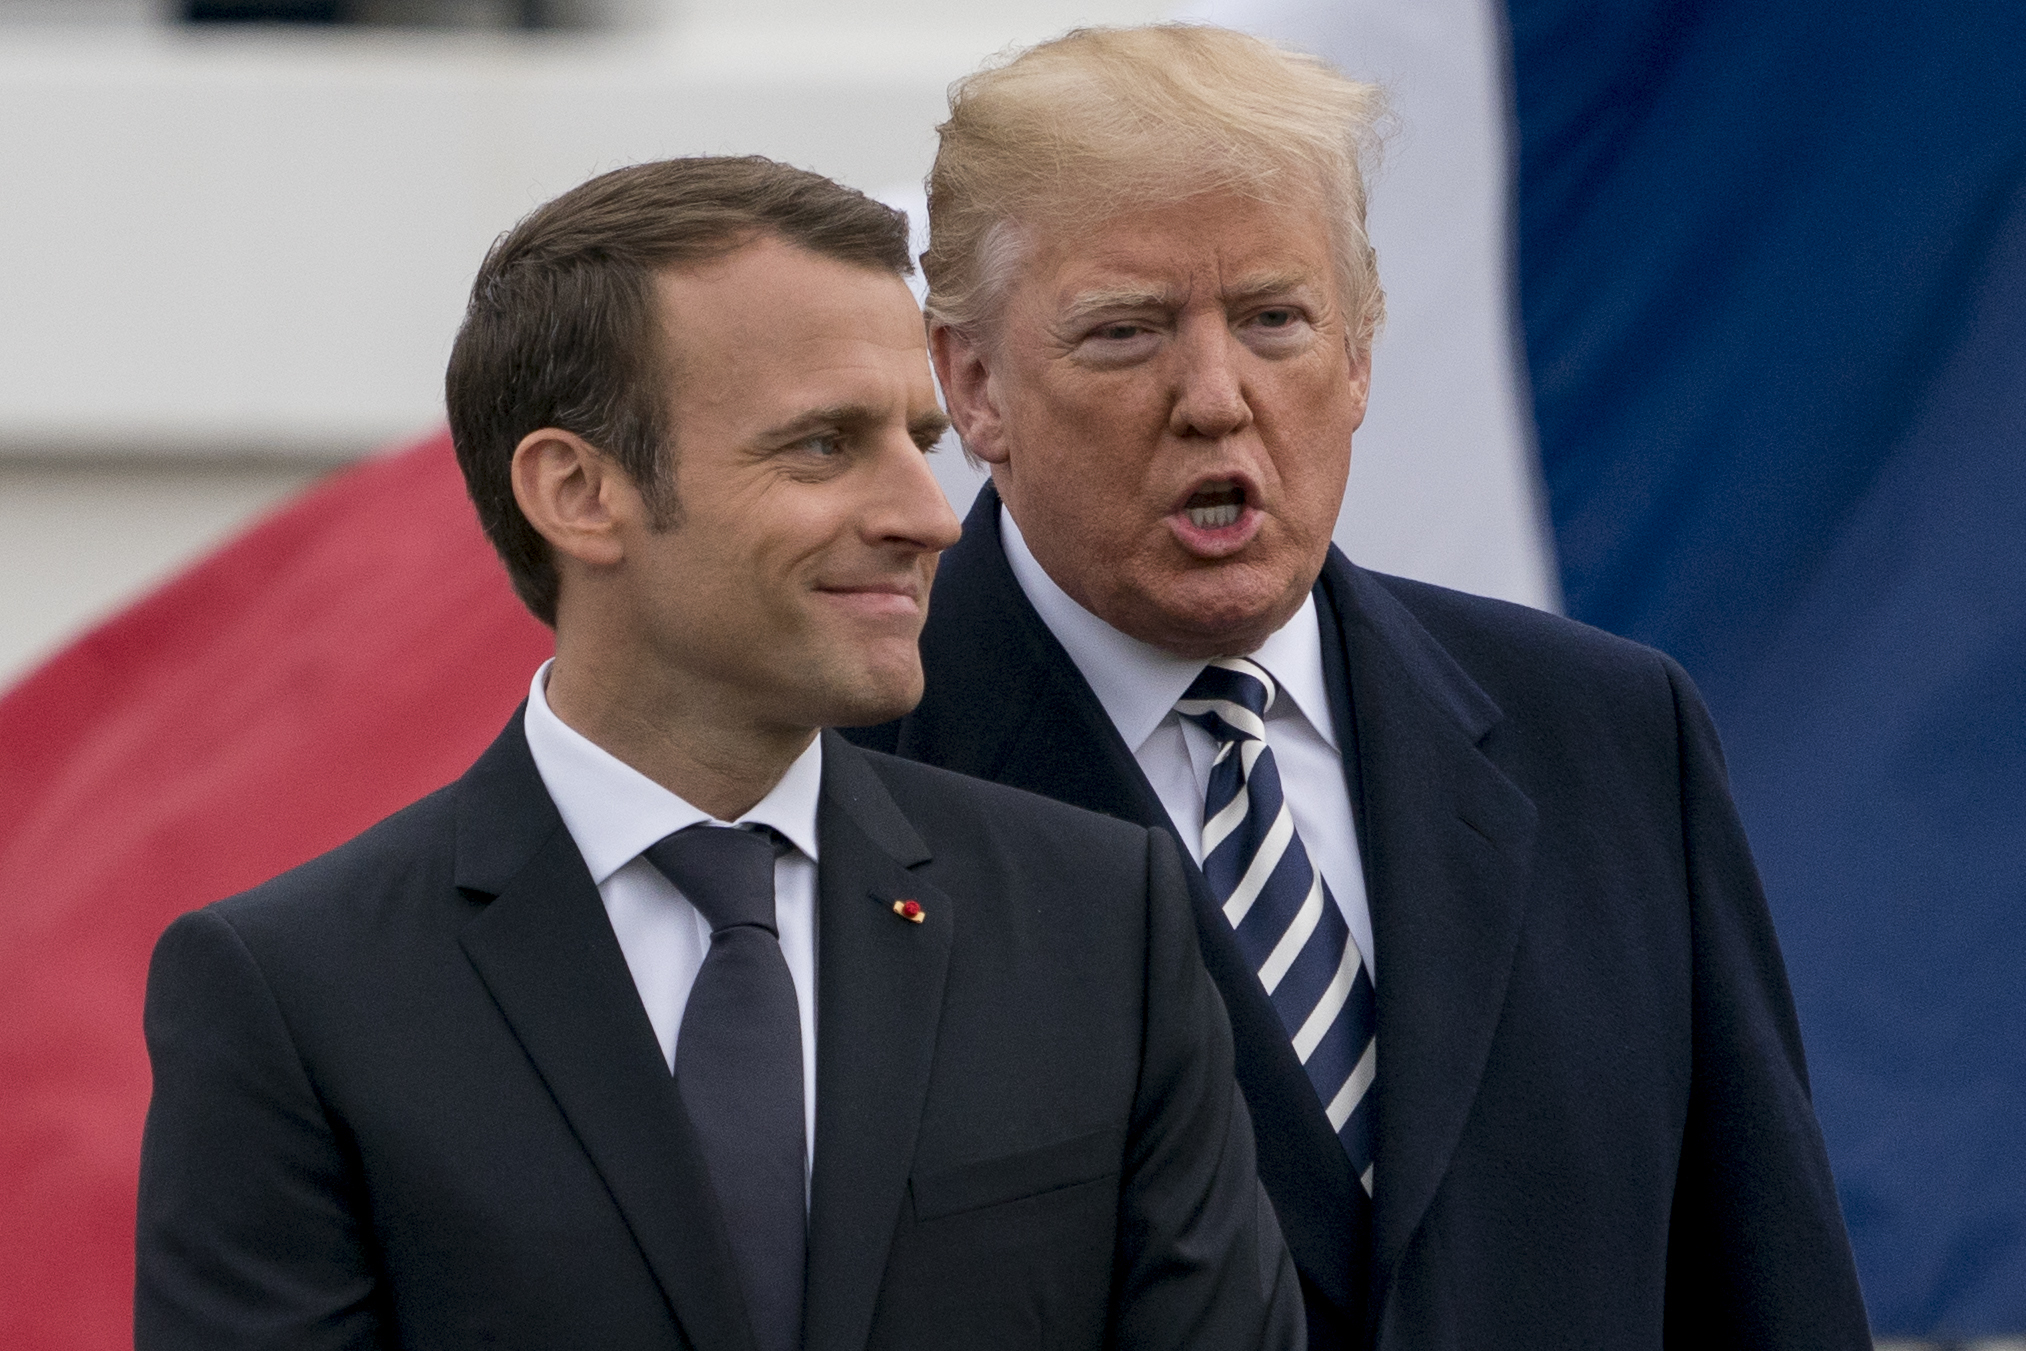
<point>738,1067</point>
<point>1287,924</point>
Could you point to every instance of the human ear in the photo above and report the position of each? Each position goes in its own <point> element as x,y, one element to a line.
<point>571,494</point>
<point>964,370</point>
<point>1361,382</point>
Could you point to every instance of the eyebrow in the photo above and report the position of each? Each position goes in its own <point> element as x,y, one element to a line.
<point>1109,299</point>
<point>926,429</point>
<point>1113,299</point>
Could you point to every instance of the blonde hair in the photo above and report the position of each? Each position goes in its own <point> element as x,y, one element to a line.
<point>1073,131</point>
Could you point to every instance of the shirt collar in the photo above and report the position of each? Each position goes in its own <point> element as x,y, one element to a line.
<point>613,811</point>
<point>1138,683</point>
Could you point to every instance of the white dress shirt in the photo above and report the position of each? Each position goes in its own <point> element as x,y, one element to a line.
<point>613,812</point>
<point>1139,685</point>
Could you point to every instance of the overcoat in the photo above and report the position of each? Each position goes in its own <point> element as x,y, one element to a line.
<point>1593,1121</point>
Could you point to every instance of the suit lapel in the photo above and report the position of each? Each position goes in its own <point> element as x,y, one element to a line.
<point>1447,841</point>
<point>1445,837</point>
<point>879,1000</point>
<point>1005,702</point>
<point>546,952</point>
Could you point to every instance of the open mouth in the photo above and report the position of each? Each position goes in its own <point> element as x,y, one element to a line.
<point>1216,505</point>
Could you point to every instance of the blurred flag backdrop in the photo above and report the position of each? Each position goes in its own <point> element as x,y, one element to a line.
<point>1772,272</point>
<point>1766,265</point>
<point>1742,290</point>
<point>355,650</point>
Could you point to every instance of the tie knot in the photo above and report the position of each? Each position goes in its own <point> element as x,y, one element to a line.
<point>1230,699</point>
<point>727,874</point>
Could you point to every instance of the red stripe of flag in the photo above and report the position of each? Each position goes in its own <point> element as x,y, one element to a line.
<point>353,651</point>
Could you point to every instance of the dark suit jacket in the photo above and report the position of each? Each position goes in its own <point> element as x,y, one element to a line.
<point>1593,1117</point>
<point>407,1095</point>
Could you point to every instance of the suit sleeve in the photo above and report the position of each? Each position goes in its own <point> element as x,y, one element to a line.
<point>1202,1261</point>
<point>1757,1254</point>
<point>249,1230</point>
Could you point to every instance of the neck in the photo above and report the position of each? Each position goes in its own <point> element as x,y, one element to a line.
<point>710,756</point>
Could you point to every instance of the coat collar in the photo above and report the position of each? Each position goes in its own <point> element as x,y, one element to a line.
<point>1447,842</point>
<point>879,1000</point>
<point>1004,700</point>
<point>1445,836</point>
<point>546,952</point>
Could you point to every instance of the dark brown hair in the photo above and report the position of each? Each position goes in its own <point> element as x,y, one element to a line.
<point>563,330</point>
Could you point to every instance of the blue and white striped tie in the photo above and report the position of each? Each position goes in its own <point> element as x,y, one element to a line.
<point>1287,923</point>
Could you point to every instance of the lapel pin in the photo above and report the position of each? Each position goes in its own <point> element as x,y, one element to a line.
<point>908,910</point>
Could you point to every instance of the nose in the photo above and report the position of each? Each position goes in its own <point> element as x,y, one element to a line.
<point>910,506</point>
<point>1209,394</point>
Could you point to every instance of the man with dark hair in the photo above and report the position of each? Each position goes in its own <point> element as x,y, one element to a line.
<point>678,1021</point>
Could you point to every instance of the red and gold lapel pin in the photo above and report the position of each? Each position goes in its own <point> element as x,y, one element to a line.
<point>908,909</point>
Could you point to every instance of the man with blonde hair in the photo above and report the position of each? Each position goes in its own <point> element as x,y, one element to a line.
<point>1571,1110</point>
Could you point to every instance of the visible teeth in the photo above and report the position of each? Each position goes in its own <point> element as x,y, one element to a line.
<point>1215,518</point>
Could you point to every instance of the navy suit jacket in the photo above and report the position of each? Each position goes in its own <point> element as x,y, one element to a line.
<point>1593,1118</point>
<point>407,1095</point>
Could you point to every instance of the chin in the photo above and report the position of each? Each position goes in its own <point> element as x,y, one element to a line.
<point>1225,618</point>
<point>876,697</point>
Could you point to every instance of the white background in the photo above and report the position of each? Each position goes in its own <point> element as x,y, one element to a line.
<point>230,260</point>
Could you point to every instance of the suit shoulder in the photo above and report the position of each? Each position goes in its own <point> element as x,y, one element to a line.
<point>1502,642</point>
<point>1567,690</point>
<point>882,737</point>
<point>928,793</point>
<point>384,861</point>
